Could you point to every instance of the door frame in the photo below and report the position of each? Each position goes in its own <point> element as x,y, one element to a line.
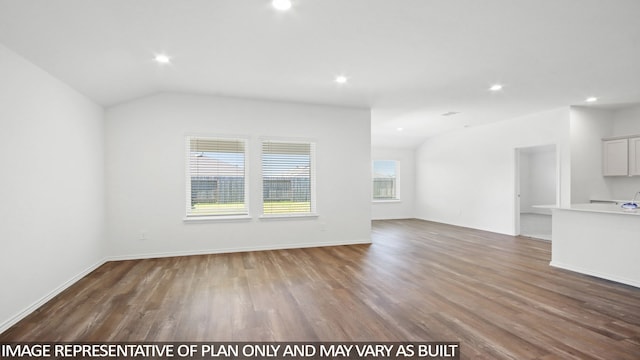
<point>516,196</point>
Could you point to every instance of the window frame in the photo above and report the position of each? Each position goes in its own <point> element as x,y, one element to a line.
<point>312,178</point>
<point>396,178</point>
<point>240,215</point>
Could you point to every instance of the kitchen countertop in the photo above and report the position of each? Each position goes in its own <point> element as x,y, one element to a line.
<point>602,208</point>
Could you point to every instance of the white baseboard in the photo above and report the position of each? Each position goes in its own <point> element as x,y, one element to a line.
<point>31,308</point>
<point>235,250</point>
<point>597,274</point>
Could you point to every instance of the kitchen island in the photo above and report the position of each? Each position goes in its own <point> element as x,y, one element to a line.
<point>601,240</point>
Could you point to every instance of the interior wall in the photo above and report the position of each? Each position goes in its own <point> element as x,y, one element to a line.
<point>403,209</point>
<point>146,174</point>
<point>52,188</point>
<point>467,177</point>
<point>588,127</point>
<point>625,122</point>
<point>543,179</point>
<point>526,197</point>
<point>538,177</point>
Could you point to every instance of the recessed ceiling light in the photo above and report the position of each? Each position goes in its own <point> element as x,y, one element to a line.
<point>496,87</point>
<point>282,5</point>
<point>341,79</point>
<point>162,59</point>
<point>400,129</point>
<point>591,99</point>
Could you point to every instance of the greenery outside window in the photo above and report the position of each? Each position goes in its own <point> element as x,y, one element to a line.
<point>216,177</point>
<point>288,178</point>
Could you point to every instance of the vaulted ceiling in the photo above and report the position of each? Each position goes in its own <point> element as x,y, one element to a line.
<point>410,61</point>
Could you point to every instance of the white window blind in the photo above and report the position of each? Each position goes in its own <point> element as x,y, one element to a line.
<point>288,178</point>
<point>385,180</point>
<point>216,176</point>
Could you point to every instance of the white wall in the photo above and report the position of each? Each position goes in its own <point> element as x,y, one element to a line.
<point>526,196</point>
<point>146,174</point>
<point>625,122</point>
<point>538,177</point>
<point>588,127</point>
<point>467,177</point>
<point>52,189</point>
<point>403,209</point>
<point>544,178</point>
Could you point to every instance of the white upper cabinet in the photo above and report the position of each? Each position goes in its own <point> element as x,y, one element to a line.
<point>615,157</point>
<point>621,156</point>
<point>634,156</point>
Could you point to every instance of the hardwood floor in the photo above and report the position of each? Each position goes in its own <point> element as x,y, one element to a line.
<point>418,281</point>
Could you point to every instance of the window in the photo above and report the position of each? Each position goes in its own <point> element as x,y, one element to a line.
<point>288,178</point>
<point>216,176</point>
<point>385,180</point>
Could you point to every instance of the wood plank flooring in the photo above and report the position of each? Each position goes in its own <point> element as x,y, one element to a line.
<point>418,281</point>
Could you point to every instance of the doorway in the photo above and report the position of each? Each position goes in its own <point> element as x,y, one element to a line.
<point>536,190</point>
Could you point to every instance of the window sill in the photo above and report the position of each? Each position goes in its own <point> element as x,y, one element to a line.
<point>386,201</point>
<point>288,216</point>
<point>219,218</point>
